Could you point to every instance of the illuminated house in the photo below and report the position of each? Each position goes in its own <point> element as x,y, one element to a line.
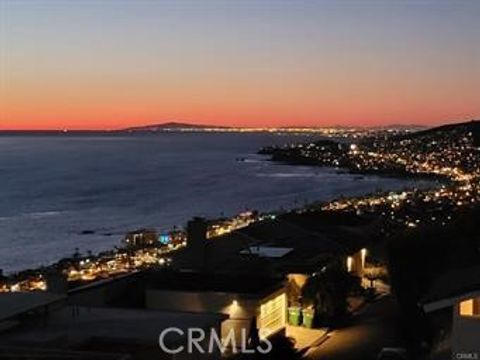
<point>458,292</point>
<point>285,247</point>
<point>225,301</point>
<point>243,299</point>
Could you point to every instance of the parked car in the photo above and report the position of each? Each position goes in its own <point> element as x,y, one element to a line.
<point>392,354</point>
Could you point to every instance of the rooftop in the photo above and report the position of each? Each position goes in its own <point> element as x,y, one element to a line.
<point>212,282</point>
<point>16,303</point>
<point>108,326</point>
<point>311,241</point>
<point>452,285</point>
<point>266,251</point>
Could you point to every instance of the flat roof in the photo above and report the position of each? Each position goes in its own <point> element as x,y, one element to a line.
<point>16,303</point>
<point>452,285</point>
<point>21,352</point>
<point>266,251</point>
<point>255,285</point>
<point>110,325</point>
<point>315,238</point>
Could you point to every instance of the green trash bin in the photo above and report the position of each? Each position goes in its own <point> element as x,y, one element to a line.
<point>294,316</point>
<point>308,315</point>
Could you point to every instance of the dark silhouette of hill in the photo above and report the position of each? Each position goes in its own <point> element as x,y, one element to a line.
<point>172,126</point>
<point>472,127</point>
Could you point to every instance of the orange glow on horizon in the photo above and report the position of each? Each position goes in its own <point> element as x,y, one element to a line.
<point>107,109</point>
<point>84,103</point>
<point>117,124</point>
<point>106,121</point>
<point>112,65</point>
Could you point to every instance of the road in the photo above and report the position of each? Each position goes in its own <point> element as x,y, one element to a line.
<point>373,328</point>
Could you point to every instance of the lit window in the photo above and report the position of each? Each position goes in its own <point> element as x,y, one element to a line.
<point>466,308</point>
<point>470,307</point>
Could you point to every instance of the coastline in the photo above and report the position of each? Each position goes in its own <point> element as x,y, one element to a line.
<point>279,156</point>
<point>148,256</point>
<point>157,255</point>
<point>448,194</point>
<point>67,198</point>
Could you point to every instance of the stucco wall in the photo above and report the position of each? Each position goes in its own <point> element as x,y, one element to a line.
<point>211,302</point>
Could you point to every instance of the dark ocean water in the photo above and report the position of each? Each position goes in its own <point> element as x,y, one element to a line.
<point>54,188</point>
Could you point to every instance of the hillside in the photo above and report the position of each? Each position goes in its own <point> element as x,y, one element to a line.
<point>470,127</point>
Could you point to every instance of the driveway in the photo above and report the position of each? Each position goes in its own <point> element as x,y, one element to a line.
<point>373,328</point>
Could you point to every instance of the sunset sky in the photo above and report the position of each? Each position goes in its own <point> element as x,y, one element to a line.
<point>112,64</point>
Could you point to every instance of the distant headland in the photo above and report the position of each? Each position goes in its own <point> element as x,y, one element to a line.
<point>179,127</point>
